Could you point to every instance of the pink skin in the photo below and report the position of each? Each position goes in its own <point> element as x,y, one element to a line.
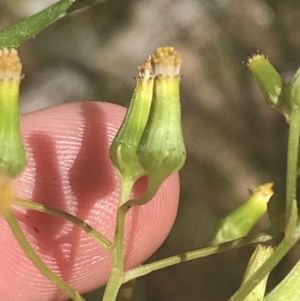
<point>70,169</point>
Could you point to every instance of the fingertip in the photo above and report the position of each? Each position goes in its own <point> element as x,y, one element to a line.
<point>70,169</point>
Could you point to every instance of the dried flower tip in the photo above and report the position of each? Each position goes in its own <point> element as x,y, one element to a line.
<point>264,192</point>
<point>255,57</point>
<point>166,61</point>
<point>145,70</point>
<point>10,65</point>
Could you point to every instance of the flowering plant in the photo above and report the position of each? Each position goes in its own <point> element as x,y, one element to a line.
<point>150,144</point>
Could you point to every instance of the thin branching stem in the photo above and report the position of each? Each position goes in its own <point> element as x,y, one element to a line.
<point>286,244</point>
<point>100,239</point>
<point>291,213</point>
<point>164,263</point>
<point>33,256</point>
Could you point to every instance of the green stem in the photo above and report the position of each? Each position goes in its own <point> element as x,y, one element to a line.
<point>32,255</point>
<point>117,272</point>
<point>164,263</point>
<point>292,162</point>
<point>291,213</point>
<point>100,239</point>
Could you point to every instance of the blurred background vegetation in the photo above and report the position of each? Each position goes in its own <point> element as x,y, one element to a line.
<point>234,141</point>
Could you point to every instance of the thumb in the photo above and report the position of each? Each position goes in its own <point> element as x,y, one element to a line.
<point>70,169</point>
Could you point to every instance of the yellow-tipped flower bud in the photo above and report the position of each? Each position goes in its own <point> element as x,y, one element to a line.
<point>13,157</point>
<point>271,84</point>
<point>124,147</point>
<point>259,256</point>
<point>161,151</point>
<point>239,223</point>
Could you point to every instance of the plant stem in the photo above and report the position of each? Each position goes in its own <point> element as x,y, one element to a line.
<point>286,244</point>
<point>164,263</point>
<point>117,271</point>
<point>292,162</point>
<point>291,213</point>
<point>100,239</point>
<point>33,256</point>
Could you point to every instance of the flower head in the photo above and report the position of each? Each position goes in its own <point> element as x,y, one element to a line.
<point>13,157</point>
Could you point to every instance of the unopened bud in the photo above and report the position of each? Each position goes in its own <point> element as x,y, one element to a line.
<point>239,222</point>
<point>124,147</point>
<point>161,151</point>
<point>271,84</point>
<point>13,157</point>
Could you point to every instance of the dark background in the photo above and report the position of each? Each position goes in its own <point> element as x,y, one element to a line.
<point>234,141</point>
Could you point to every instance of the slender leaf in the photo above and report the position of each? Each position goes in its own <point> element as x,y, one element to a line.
<point>29,28</point>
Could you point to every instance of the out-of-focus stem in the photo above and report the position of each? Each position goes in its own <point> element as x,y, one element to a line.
<point>164,263</point>
<point>100,239</point>
<point>32,255</point>
<point>292,163</point>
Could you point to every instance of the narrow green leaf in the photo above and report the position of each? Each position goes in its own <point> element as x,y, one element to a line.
<point>260,255</point>
<point>295,89</point>
<point>29,28</point>
<point>288,288</point>
<point>79,4</point>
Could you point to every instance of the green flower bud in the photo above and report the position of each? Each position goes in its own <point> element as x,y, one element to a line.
<point>271,84</point>
<point>239,222</point>
<point>13,157</point>
<point>288,288</point>
<point>124,147</point>
<point>259,256</point>
<point>161,151</point>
